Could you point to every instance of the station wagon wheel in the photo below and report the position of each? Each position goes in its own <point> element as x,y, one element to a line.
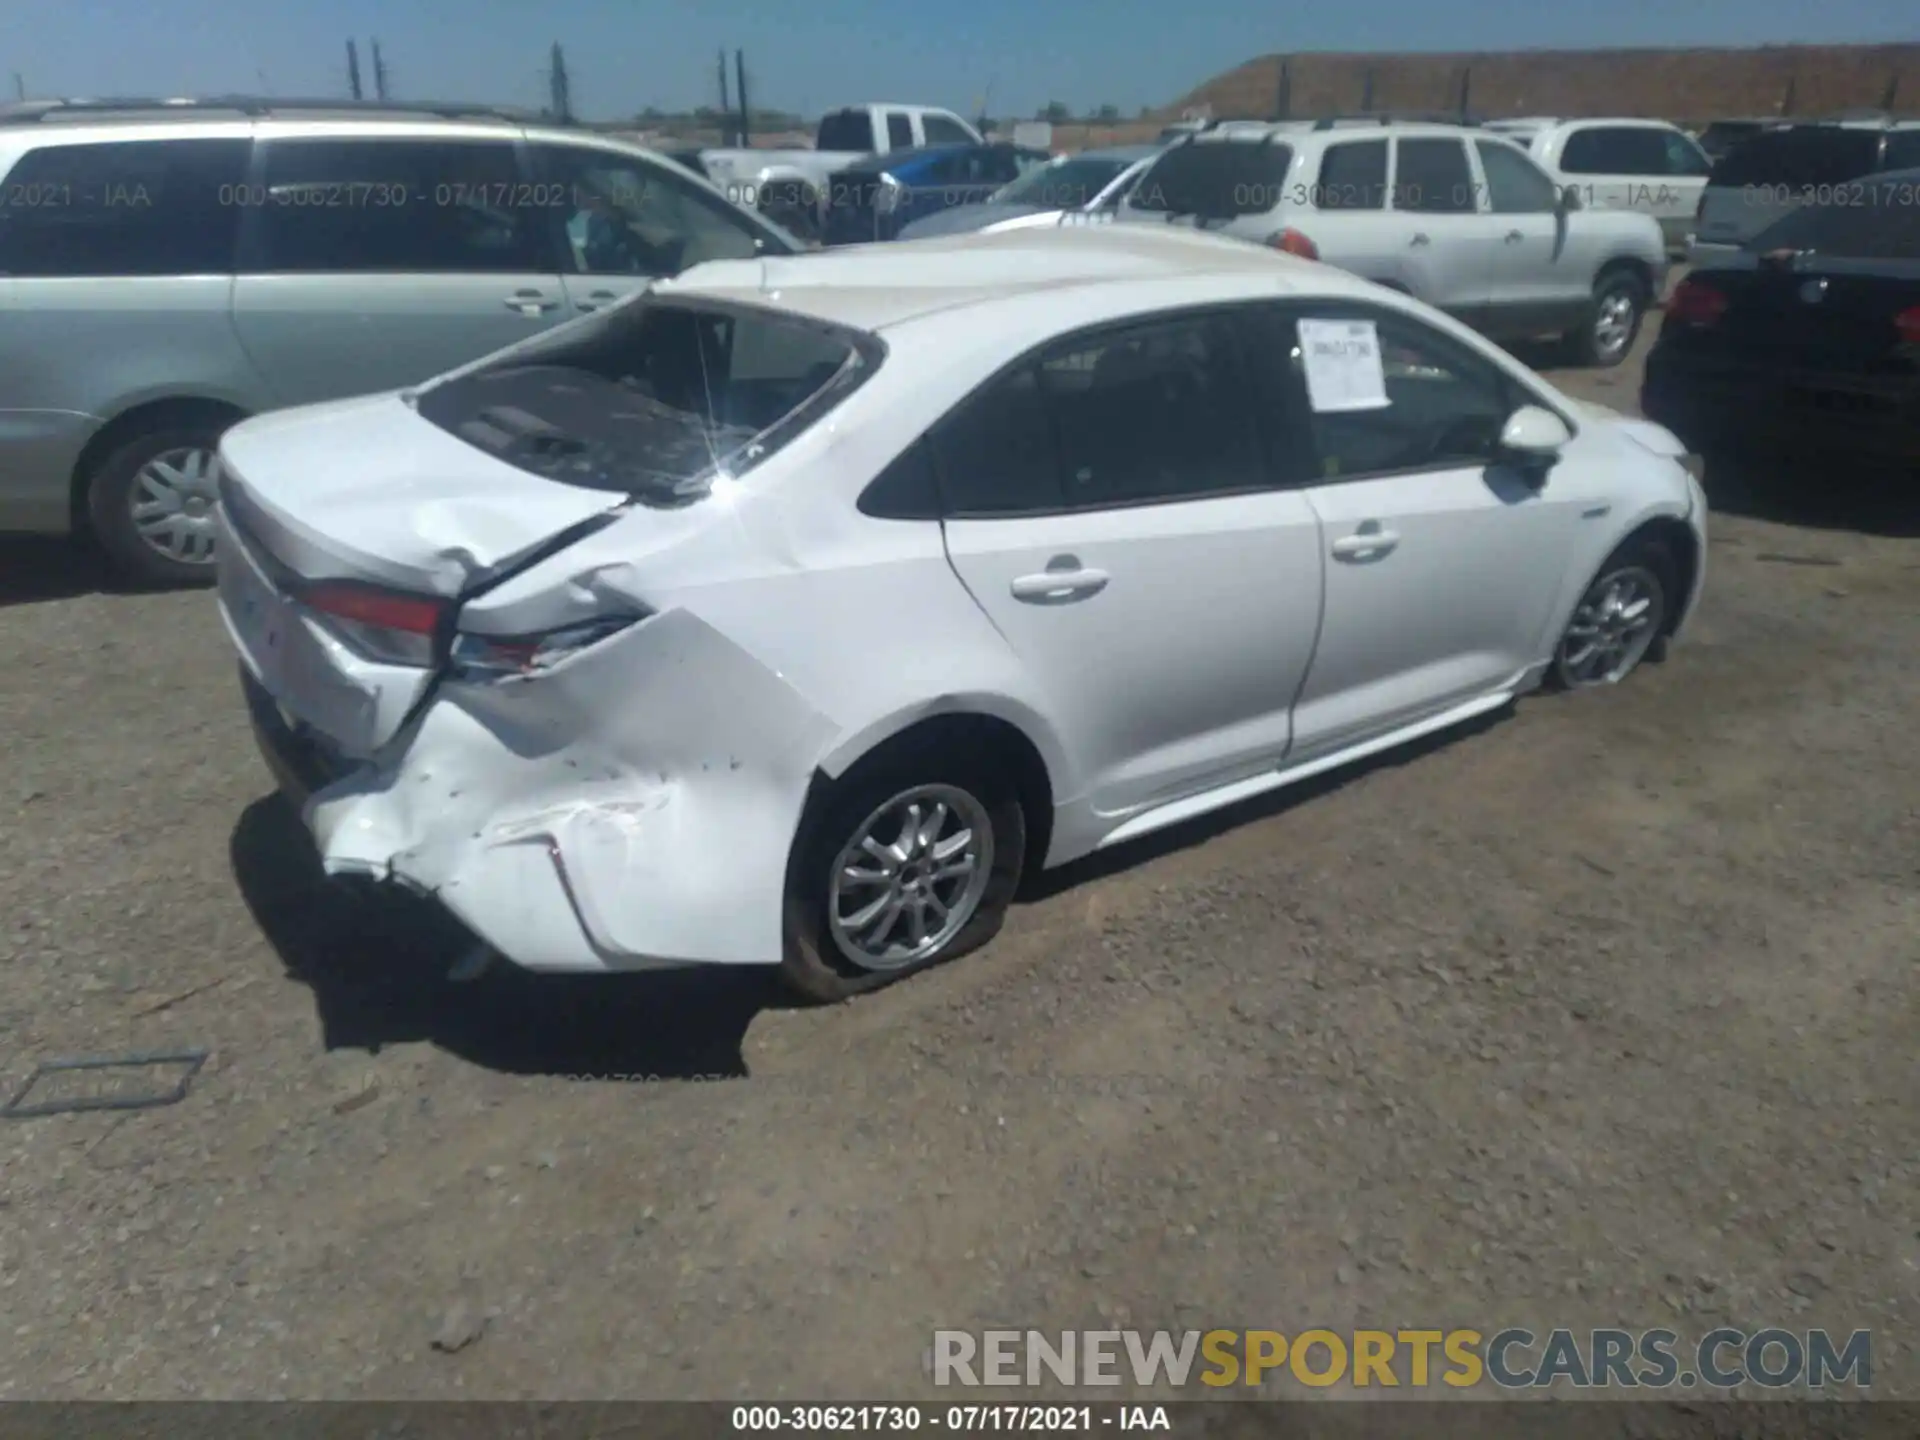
<point>1613,324</point>
<point>1620,618</point>
<point>911,862</point>
<point>152,506</point>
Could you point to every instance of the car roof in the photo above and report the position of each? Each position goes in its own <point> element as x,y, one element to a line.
<point>878,287</point>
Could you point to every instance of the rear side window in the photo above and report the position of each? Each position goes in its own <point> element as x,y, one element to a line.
<point>150,207</point>
<point>899,131</point>
<point>397,206</point>
<point>1801,157</point>
<point>1215,179</point>
<point>651,398</point>
<point>996,454</point>
<point>1433,178</point>
<point>846,130</point>
<point>1353,176</point>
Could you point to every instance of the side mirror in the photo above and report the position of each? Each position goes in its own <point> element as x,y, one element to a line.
<point>1569,200</point>
<point>1532,439</point>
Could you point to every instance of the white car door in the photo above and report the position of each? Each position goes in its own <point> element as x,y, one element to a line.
<point>1110,507</point>
<point>1446,234</point>
<point>1443,565</point>
<point>1535,280</point>
<point>624,222</point>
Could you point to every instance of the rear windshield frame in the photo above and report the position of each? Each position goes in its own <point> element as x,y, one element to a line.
<point>866,352</point>
<point>1264,183</point>
<point>1789,159</point>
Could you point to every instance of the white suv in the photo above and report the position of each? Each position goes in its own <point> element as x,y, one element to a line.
<point>1649,166</point>
<point>1459,217</point>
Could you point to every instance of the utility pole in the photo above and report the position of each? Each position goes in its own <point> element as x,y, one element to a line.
<point>353,70</point>
<point>740,93</point>
<point>558,87</point>
<point>379,73</point>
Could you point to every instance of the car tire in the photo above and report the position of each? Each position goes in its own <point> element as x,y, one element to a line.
<point>825,961</point>
<point>1641,571</point>
<point>127,486</point>
<point>1619,307</point>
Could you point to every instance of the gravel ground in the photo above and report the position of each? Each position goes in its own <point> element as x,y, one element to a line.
<point>1600,1014</point>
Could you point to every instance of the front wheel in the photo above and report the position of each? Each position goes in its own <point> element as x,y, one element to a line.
<point>151,504</point>
<point>1620,302</point>
<point>909,864</point>
<point>1620,621</point>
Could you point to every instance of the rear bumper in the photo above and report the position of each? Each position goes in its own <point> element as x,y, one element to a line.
<point>1716,406</point>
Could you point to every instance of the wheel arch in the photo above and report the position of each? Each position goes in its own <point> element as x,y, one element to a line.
<point>136,419</point>
<point>1005,734</point>
<point>1634,265</point>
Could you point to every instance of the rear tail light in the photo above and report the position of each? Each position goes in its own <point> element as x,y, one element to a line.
<point>392,626</point>
<point>499,657</point>
<point>1907,322</point>
<point>1696,303</point>
<point>1291,242</point>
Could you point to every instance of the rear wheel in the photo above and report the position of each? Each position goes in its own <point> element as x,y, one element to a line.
<point>1620,300</point>
<point>151,503</point>
<point>910,863</point>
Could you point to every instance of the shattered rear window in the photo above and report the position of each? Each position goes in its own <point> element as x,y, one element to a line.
<point>655,398</point>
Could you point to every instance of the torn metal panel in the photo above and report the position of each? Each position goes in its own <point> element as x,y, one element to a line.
<point>660,833</point>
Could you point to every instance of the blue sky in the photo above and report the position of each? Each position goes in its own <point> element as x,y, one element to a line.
<point>810,54</point>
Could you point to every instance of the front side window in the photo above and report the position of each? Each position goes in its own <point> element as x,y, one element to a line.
<point>1515,185</point>
<point>899,131</point>
<point>627,217</point>
<point>396,206</point>
<point>652,398</point>
<point>846,131</point>
<point>1432,178</point>
<point>1446,406</point>
<point>1683,156</point>
<point>147,207</point>
<point>942,130</point>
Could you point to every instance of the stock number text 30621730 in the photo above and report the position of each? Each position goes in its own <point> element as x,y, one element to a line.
<point>957,1419</point>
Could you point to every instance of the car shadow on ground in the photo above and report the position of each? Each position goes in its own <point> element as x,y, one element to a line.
<point>1198,831</point>
<point>36,568</point>
<point>1815,494</point>
<point>377,959</point>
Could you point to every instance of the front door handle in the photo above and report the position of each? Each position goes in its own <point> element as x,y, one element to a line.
<point>1365,544</point>
<point>595,299</point>
<point>1419,239</point>
<point>531,302</point>
<point>1055,587</point>
<point>1514,237</point>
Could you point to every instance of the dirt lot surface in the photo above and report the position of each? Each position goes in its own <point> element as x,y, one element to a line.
<point>1601,1014</point>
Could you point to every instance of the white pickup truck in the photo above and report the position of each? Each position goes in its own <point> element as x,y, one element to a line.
<point>789,186</point>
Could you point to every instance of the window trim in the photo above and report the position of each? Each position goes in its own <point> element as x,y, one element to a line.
<point>1468,160</point>
<point>1321,185</point>
<point>251,252</point>
<point>235,241</point>
<point>1295,308</point>
<point>1232,312</point>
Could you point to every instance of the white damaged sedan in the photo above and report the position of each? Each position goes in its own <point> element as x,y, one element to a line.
<point>791,612</point>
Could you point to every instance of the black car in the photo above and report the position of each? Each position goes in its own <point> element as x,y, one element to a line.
<point>1807,338</point>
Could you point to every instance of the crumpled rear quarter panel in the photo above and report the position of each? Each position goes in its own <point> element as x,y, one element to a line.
<point>635,805</point>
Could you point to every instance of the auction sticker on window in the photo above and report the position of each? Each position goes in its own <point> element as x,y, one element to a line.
<point>1342,359</point>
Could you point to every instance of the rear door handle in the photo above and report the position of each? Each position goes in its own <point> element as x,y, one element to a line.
<point>531,302</point>
<point>1419,239</point>
<point>1365,543</point>
<point>595,299</point>
<point>1514,237</point>
<point>1054,587</point>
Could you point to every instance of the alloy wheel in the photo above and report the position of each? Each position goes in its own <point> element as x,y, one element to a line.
<point>1613,627</point>
<point>911,877</point>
